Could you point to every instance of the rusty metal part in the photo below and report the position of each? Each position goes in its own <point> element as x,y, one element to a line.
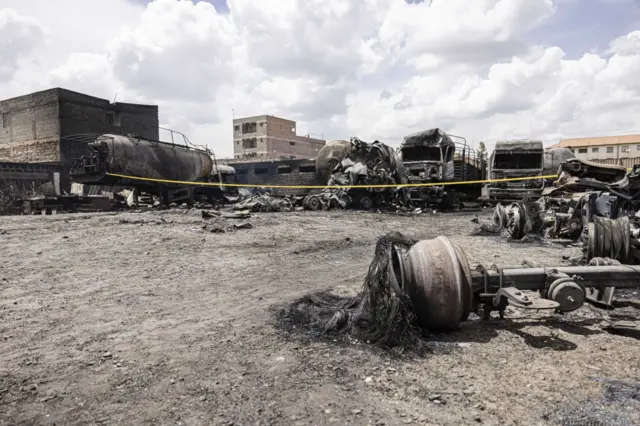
<point>444,290</point>
<point>437,281</point>
<point>144,158</point>
<point>567,293</point>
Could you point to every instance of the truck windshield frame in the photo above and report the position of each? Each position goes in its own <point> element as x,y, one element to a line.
<point>509,160</point>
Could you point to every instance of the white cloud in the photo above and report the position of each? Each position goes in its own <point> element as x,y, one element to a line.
<point>379,69</point>
<point>19,36</point>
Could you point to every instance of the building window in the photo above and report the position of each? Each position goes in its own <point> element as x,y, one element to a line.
<point>249,127</point>
<point>582,150</point>
<point>292,144</point>
<point>249,143</point>
<point>6,120</point>
<point>609,150</point>
<point>637,147</point>
<point>236,128</point>
<point>595,149</point>
<point>624,148</point>
<point>261,171</point>
<point>113,118</point>
<point>241,171</point>
<point>307,169</point>
<point>284,170</point>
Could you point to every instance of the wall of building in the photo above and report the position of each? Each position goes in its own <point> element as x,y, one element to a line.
<point>277,172</point>
<point>296,146</point>
<point>29,128</point>
<point>80,113</point>
<point>273,137</point>
<point>607,152</point>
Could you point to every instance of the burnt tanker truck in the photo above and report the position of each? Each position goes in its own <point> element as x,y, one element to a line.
<point>520,159</point>
<point>111,158</point>
<point>432,157</point>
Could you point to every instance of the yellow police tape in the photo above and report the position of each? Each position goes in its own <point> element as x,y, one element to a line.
<point>256,185</point>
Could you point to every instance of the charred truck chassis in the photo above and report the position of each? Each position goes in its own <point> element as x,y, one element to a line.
<point>444,290</point>
<point>432,157</point>
<point>130,156</point>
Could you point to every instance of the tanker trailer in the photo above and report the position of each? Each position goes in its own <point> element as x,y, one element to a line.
<point>329,157</point>
<point>110,155</point>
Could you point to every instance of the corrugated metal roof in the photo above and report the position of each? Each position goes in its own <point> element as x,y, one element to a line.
<point>603,140</point>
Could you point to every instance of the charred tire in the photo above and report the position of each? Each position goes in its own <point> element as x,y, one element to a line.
<point>435,275</point>
<point>517,221</point>
<point>365,202</point>
<point>500,216</point>
<point>314,203</point>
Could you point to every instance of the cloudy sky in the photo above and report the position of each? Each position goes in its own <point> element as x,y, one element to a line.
<point>376,69</point>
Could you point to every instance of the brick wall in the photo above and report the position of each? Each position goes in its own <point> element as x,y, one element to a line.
<point>81,113</point>
<point>29,128</point>
<point>32,125</point>
<point>282,172</point>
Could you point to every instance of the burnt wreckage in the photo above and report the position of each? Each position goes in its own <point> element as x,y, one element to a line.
<point>164,162</point>
<point>595,205</point>
<point>357,168</point>
<point>520,159</point>
<point>430,285</point>
<point>424,164</point>
<point>432,158</point>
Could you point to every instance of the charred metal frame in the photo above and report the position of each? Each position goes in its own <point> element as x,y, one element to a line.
<point>444,290</point>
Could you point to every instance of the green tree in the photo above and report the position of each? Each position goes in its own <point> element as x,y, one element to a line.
<point>482,151</point>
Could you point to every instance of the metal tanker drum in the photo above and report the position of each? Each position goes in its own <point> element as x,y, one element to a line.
<point>329,156</point>
<point>156,160</point>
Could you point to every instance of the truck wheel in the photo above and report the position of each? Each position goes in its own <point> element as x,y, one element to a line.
<point>365,202</point>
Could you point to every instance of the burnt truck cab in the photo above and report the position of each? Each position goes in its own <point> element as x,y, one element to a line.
<point>226,175</point>
<point>428,157</point>
<point>516,159</point>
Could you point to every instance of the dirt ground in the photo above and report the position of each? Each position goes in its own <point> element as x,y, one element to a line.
<point>146,318</point>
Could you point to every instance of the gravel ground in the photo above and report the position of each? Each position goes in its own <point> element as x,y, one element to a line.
<point>148,319</point>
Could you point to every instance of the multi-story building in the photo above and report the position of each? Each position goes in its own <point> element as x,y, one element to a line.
<point>34,127</point>
<point>620,150</point>
<point>266,136</point>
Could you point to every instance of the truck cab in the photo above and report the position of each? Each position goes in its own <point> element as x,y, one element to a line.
<point>516,159</point>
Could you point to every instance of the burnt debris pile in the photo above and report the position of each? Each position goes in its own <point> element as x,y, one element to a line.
<point>381,314</point>
<point>596,206</point>
<point>365,167</point>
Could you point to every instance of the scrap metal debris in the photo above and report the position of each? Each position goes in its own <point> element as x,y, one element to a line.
<point>365,164</point>
<point>429,285</point>
<point>266,202</point>
<point>592,205</point>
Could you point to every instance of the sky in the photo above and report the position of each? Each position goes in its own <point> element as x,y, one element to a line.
<point>376,69</point>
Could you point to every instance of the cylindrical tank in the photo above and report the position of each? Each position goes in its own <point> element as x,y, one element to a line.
<point>152,159</point>
<point>329,156</point>
<point>553,157</point>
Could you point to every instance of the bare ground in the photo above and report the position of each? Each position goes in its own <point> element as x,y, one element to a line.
<point>104,322</point>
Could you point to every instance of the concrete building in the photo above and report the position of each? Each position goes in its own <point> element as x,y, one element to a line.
<point>266,136</point>
<point>39,127</point>
<point>620,150</point>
